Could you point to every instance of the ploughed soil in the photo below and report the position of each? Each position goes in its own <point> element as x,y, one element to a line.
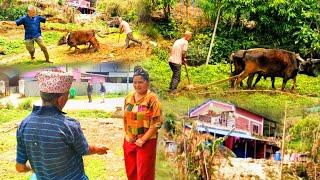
<point>112,48</point>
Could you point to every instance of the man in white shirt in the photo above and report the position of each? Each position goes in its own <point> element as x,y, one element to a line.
<point>124,27</point>
<point>177,57</point>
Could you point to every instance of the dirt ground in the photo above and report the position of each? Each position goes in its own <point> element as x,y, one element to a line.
<point>112,48</point>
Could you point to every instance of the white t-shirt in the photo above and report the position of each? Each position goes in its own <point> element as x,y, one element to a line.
<point>125,27</point>
<point>176,52</point>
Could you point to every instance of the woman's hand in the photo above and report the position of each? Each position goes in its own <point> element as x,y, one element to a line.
<point>139,142</point>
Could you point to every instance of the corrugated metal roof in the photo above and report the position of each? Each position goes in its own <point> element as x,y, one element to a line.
<point>223,132</point>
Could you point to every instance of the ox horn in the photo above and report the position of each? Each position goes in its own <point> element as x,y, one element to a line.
<point>315,60</point>
<point>300,59</point>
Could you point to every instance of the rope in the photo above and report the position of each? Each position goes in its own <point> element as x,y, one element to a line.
<point>216,82</point>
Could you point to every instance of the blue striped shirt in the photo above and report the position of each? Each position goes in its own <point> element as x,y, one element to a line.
<point>53,143</point>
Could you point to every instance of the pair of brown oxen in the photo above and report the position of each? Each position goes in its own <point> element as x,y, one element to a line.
<point>270,63</point>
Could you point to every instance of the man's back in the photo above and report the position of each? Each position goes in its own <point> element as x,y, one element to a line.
<point>53,143</point>
<point>178,47</point>
<point>125,27</point>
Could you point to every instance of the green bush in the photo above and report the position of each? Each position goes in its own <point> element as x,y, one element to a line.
<point>25,104</point>
<point>162,54</point>
<point>168,29</point>
<point>151,31</point>
<point>290,25</point>
<point>12,13</point>
<point>12,46</point>
<point>2,106</point>
<point>169,123</point>
<point>303,133</point>
<point>9,105</point>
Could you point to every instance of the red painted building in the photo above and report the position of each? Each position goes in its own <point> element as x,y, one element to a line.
<point>251,134</point>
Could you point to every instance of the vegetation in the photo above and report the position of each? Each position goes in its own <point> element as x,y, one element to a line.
<point>305,135</point>
<point>291,25</point>
<point>12,12</point>
<point>8,115</point>
<point>26,104</point>
<point>203,154</point>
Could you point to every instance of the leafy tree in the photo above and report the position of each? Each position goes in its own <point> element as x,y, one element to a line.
<point>291,25</point>
<point>152,5</point>
<point>165,5</point>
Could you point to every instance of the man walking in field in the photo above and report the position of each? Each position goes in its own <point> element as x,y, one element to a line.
<point>124,27</point>
<point>31,23</point>
<point>52,142</point>
<point>102,91</point>
<point>177,57</point>
<point>89,91</point>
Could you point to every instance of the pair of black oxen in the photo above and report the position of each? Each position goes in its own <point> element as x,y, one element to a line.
<point>270,63</point>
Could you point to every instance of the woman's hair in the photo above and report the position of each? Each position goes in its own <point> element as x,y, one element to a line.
<point>139,71</point>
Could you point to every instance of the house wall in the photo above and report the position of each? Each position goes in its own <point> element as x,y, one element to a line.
<point>252,119</point>
<point>249,114</point>
<point>242,124</point>
<point>203,109</point>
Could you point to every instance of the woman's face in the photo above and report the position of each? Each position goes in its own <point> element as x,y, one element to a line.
<point>140,85</point>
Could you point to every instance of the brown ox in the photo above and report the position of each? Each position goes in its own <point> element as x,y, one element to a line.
<point>80,37</point>
<point>268,63</point>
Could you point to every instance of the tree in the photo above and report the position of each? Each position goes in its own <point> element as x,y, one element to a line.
<point>292,25</point>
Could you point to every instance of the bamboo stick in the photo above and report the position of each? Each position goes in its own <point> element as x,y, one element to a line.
<point>283,138</point>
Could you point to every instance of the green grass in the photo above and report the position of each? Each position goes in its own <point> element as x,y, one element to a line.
<point>97,96</point>
<point>15,46</point>
<point>164,167</point>
<point>11,46</point>
<point>8,115</point>
<point>88,114</point>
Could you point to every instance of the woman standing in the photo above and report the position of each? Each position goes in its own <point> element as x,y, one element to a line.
<point>142,119</point>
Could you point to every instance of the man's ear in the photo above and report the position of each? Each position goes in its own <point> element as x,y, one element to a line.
<point>62,100</point>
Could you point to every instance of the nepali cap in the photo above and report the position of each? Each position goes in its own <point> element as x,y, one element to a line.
<point>54,81</point>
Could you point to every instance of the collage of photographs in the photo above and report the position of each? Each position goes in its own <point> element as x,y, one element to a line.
<point>160,89</point>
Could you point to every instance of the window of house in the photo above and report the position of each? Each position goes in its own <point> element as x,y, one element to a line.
<point>255,129</point>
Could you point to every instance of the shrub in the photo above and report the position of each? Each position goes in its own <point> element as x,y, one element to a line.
<point>25,104</point>
<point>169,123</point>
<point>162,54</point>
<point>9,105</point>
<point>151,31</point>
<point>12,13</point>
<point>168,29</point>
<point>2,106</point>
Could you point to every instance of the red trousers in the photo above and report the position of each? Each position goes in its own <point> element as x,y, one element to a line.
<point>140,161</point>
